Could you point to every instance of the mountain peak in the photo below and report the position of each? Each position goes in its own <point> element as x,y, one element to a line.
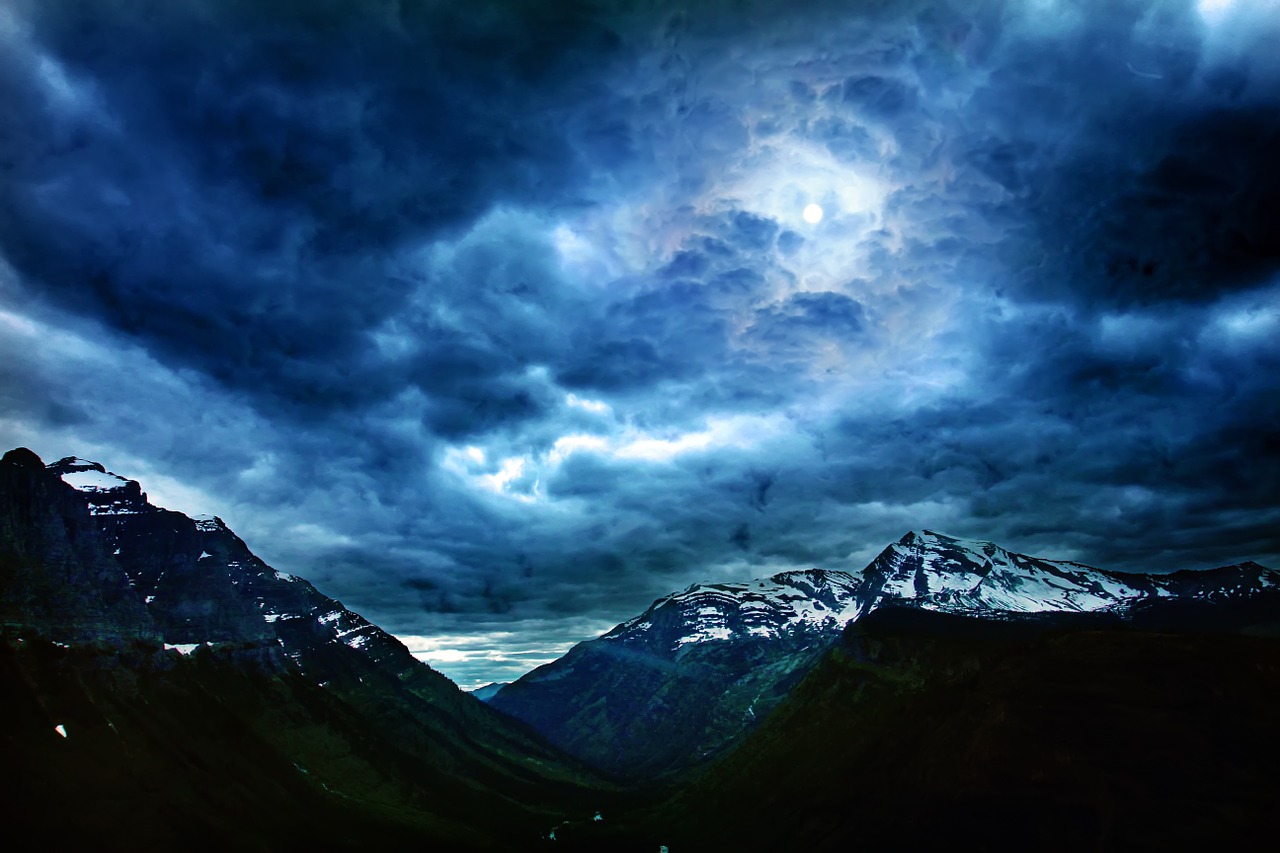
<point>72,464</point>
<point>23,458</point>
<point>86,475</point>
<point>928,538</point>
<point>933,539</point>
<point>814,576</point>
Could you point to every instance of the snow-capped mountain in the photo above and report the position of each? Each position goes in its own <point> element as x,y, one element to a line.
<point>202,584</point>
<point>939,572</point>
<point>790,604</point>
<point>294,711</point>
<point>923,569</point>
<point>108,493</point>
<point>716,656</point>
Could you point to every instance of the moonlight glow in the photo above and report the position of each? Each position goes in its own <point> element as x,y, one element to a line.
<point>813,214</point>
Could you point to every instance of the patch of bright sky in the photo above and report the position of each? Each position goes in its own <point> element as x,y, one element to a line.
<point>502,655</point>
<point>1214,10</point>
<point>1248,320</point>
<point>318,536</point>
<point>1252,323</point>
<point>596,406</point>
<point>739,431</point>
<point>566,445</point>
<point>581,252</point>
<point>500,482</point>
<point>628,443</point>
<point>779,180</point>
<point>1218,13</point>
<point>84,353</point>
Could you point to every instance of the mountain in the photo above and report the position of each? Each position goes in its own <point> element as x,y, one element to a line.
<point>56,572</point>
<point>182,693</point>
<point>488,691</point>
<point>683,680</point>
<point>927,729</point>
<point>939,572</point>
<point>193,681</point>
<point>202,585</point>
<point>679,683</point>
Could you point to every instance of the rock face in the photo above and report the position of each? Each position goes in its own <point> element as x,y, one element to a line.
<point>201,584</point>
<point>56,572</point>
<point>678,683</point>
<point>186,570</point>
<point>938,572</point>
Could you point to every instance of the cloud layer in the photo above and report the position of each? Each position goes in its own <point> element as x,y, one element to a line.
<point>502,321</point>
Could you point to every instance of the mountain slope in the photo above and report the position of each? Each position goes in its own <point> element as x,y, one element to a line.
<point>1048,732</point>
<point>202,584</point>
<point>134,747</point>
<point>677,684</point>
<point>488,691</point>
<point>267,655</point>
<point>683,679</point>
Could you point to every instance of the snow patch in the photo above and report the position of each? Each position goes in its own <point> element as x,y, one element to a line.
<point>703,635</point>
<point>94,481</point>
<point>117,508</point>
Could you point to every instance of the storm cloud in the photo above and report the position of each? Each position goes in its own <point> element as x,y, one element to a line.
<point>498,321</point>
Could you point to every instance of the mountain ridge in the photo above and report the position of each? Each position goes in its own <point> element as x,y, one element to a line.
<point>716,657</point>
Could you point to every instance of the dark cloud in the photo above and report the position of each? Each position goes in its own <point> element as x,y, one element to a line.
<point>238,181</point>
<point>503,319</point>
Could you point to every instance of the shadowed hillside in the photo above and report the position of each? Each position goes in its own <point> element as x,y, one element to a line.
<point>924,729</point>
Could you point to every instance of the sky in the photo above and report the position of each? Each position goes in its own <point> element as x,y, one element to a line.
<point>498,320</point>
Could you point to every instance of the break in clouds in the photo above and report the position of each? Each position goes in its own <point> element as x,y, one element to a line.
<point>499,320</point>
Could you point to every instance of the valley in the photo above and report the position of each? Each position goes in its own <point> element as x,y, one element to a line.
<point>164,686</point>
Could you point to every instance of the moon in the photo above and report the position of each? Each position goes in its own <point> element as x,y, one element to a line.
<point>813,214</point>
